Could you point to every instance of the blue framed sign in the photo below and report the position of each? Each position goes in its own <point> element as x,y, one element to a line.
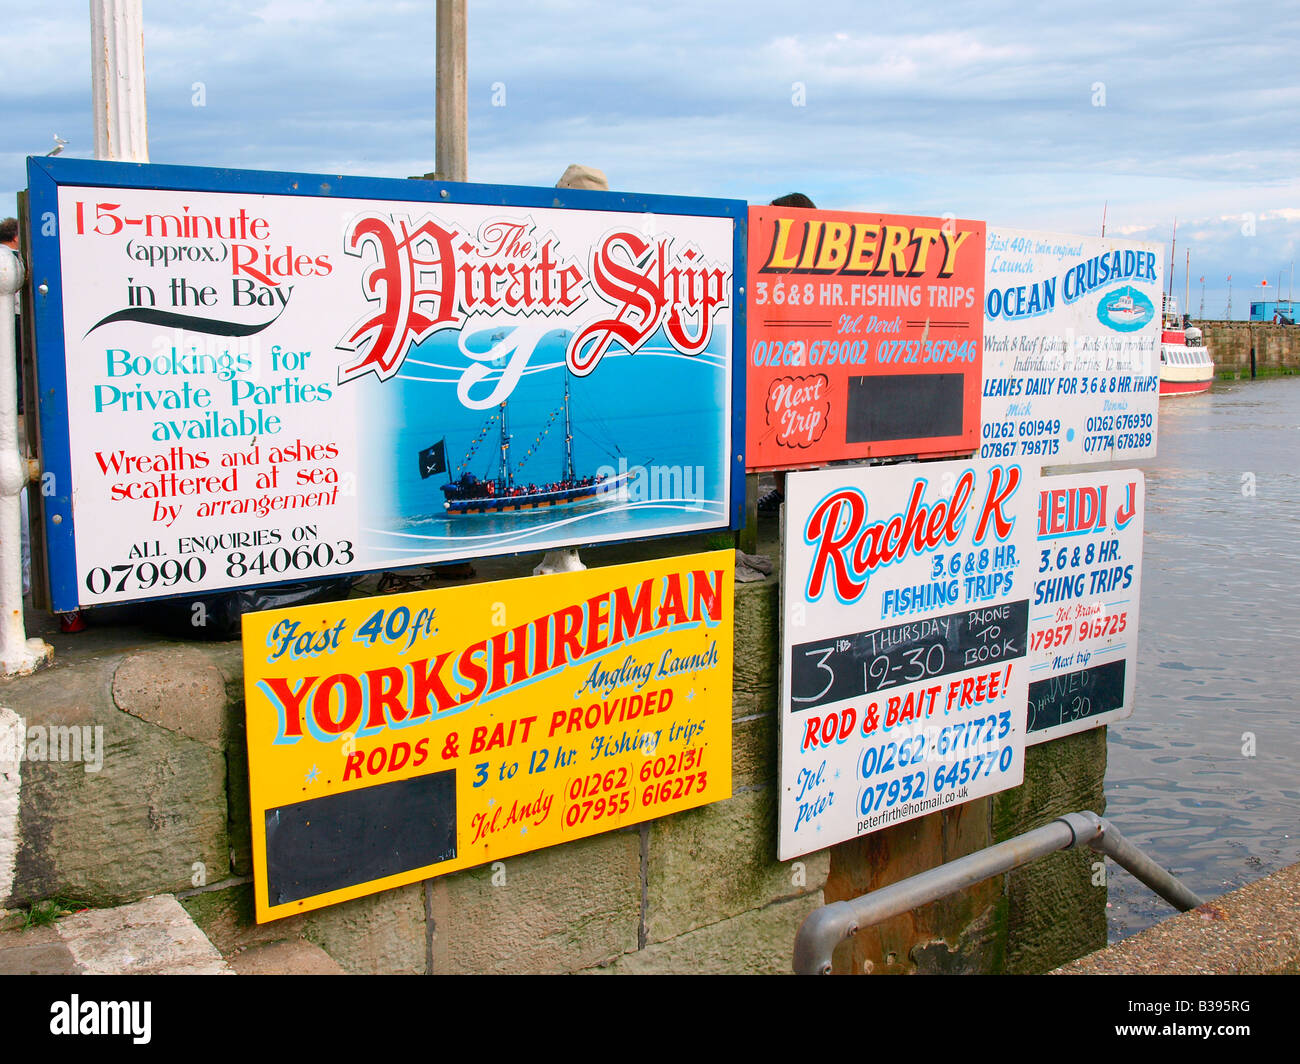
<point>249,378</point>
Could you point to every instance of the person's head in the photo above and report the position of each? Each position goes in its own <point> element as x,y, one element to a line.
<point>9,233</point>
<point>794,199</point>
<point>578,176</point>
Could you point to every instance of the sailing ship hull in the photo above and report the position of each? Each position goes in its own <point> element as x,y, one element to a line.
<point>541,500</point>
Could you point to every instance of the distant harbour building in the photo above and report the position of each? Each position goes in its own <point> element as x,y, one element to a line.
<point>1265,309</point>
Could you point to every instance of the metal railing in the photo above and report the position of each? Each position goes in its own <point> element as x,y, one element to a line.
<point>830,925</point>
<point>18,654</point>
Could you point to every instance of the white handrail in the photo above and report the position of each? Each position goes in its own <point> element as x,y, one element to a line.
<point>18,654</point>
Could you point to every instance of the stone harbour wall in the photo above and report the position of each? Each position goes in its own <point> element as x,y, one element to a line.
<point>1277,347</point>
<point>165,810</point>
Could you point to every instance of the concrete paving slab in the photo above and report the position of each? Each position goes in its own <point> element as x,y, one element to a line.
<point>151,937</point>
<point>1252,931</point>
<point>36,951</point>
<point>295,957</point>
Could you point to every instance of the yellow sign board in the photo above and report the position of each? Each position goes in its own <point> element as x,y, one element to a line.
<point>396,738</point>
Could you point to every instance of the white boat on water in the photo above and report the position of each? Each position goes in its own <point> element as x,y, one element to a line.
<point>1186,366</point>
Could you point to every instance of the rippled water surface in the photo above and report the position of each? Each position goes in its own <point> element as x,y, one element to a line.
<point>1218,652</point>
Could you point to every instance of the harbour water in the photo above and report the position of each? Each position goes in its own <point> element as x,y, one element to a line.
<point>1205,775</point>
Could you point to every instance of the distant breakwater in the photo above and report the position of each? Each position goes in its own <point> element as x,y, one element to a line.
<point>1276,347</point>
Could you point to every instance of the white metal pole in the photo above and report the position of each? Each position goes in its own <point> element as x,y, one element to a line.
<point>117,80</point>
<point>18,654</point>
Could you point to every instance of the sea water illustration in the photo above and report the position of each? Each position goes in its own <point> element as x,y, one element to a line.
<point>1125,309</point>
<point>646,451</point>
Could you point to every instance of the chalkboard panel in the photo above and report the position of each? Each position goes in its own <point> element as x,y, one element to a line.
<point>908,406</point>
<point>850,666</point>
<point>358,836</point>
<point>1076,695</point>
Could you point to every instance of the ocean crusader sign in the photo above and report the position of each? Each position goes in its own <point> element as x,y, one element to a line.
<point>249,377</point>
<point>864,336</point>
<point>1071,348</point>
<point>397,738</point>
<point>905,613</point>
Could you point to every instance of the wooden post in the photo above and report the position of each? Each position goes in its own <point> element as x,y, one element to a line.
<point>452,96</point>
<point>747,537</point>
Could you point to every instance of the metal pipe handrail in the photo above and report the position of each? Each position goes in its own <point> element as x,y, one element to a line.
<point>830,925</point>
<point>18,654</point>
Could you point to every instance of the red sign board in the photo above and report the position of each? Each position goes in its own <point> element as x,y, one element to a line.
<point>865,336</point>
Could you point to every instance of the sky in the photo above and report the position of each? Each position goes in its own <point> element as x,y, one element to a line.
<point>1033,116</point>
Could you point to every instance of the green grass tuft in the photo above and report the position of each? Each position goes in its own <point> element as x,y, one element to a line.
<point>44,913</point>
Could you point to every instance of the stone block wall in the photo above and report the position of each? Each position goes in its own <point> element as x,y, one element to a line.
<point>1277,347</point>
<point>700,891</point>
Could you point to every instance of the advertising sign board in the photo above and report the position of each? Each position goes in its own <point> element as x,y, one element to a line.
<point>905,619</point>
<point>250,378</point>
<point>864,336</point>
<point>1083,621</point>
<point>1071,348</point>
<point>396,738</point>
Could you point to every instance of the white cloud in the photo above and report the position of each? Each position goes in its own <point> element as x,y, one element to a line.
<point>987,111</point>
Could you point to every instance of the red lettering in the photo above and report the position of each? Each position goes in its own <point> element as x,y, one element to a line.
<point>568,636</point>
<point>385,696</point>
<point>353,764</point>
<point>289,703</point>
<point>994,501</point>
<point>349,704</point>
<point>426,683</point>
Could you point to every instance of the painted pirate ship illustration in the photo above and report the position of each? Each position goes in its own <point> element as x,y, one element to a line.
<point>506,492</point>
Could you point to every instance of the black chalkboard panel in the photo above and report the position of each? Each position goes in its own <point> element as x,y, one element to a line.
<point>850,666</point>
<point>1076,695</point>
<point>909,406</point>
<point>358,836</point>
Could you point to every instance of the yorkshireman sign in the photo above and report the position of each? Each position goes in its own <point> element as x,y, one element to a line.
<point>396,738</point>
<point>247,378</point>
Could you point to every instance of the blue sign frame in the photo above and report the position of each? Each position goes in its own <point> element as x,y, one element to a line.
<point>47,175</point>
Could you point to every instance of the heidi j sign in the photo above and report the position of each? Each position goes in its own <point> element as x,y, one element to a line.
<point>1083,621</point>
<point>904,631</point>
<point>397,738</point>
<point>253,377</point>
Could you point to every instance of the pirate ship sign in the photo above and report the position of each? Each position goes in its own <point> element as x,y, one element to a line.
<point>559,344</point>
<point>523,343</point>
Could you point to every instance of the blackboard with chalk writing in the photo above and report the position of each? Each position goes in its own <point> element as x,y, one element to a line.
<point>862,663</point>
<point>1076,695</point>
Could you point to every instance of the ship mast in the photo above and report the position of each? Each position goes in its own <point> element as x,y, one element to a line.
<point>569,477</point>
<point>1172,247</point>
<point>507,478</point>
